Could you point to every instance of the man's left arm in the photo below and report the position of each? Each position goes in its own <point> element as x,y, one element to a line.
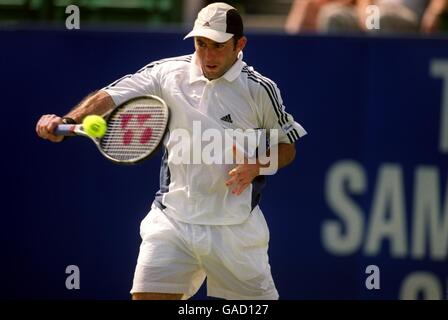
<point>243,174</point>
<point>283,133</point>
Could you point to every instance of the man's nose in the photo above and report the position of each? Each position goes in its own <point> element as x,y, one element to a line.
<point>210,52</point>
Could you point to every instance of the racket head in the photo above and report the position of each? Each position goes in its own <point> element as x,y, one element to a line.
<point>135,130</point>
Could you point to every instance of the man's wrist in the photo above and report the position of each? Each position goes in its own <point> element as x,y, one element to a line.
<point>260,167</point>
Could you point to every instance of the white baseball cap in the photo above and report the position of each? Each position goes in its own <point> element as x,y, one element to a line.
<point>218,22</point>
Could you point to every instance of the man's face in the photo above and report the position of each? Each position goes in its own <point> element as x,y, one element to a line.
<point>216,58</point>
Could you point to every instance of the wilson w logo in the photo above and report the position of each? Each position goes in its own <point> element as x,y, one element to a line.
<point>133,127</point>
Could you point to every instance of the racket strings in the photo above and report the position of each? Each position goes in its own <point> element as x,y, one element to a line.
<point>135,130</point>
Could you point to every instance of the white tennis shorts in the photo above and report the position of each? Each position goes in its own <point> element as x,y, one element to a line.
<point>176,257</point>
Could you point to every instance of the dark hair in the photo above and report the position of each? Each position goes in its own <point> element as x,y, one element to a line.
<point>235,40</point>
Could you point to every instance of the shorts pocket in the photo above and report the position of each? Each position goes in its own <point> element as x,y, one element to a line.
<point>149,222</point>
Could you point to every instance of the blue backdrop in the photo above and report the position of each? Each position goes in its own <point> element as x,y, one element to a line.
<point>368,186</point>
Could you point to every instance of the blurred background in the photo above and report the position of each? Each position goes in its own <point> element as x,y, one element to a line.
<point>291,16</point>
<point>367,191</point>
<point>143,13</point>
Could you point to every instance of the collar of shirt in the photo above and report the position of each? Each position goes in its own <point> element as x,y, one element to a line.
<point>230,75</point>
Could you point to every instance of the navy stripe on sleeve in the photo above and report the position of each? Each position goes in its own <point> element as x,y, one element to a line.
<point>268,85</point>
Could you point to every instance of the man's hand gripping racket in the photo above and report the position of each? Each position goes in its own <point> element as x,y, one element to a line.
<point>134,130</point>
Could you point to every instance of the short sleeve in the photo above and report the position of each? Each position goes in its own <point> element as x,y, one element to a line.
<point>274,115</point>
<point>143,82</point>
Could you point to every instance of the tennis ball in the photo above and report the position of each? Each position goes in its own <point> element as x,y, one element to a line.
<point>95,126</point>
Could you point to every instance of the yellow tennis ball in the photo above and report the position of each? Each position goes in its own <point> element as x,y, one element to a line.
<point>95,126</point>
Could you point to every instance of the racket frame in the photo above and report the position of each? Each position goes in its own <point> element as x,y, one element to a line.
<point>148,155</point>
<point>77,129</point>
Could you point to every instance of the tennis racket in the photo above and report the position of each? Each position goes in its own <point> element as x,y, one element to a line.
<point>135,129</point>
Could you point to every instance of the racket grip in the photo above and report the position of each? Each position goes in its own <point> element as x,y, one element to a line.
<point>65,130</point>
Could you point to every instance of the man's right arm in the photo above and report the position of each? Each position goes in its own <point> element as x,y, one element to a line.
<point>98,103</point>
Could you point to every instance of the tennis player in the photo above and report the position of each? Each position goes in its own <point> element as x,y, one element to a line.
<point>205,220</point>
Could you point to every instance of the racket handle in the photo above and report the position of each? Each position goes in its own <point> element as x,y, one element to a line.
<point>65,130</point>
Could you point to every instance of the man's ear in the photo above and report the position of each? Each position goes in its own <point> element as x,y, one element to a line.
<point>241,43</point>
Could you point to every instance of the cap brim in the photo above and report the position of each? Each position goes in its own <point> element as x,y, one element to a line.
<point>214,35</point>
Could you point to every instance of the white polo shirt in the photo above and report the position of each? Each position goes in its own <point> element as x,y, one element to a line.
<point>242,98</point>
